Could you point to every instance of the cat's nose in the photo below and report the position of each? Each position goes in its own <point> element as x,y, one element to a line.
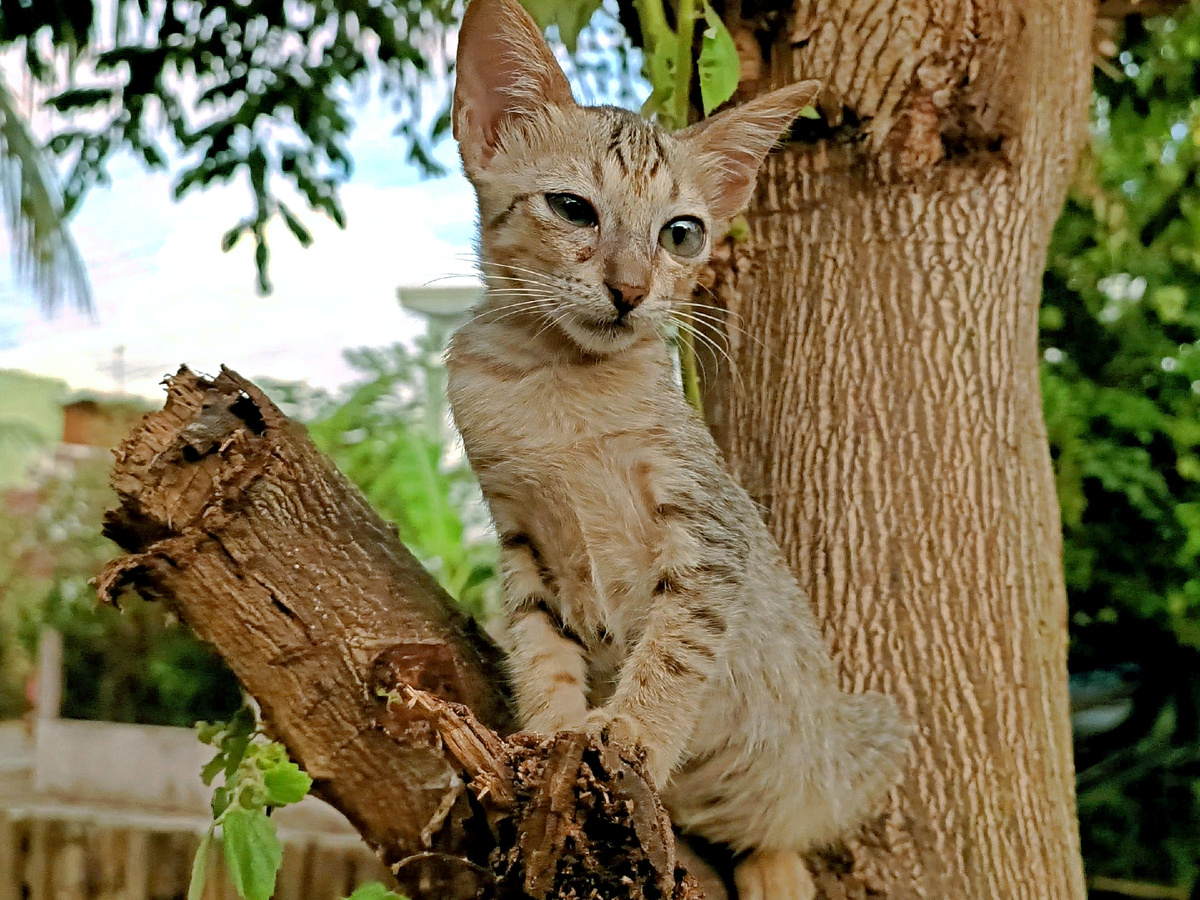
<point>626,297</point>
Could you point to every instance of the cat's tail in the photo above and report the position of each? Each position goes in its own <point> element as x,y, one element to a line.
<point>872,758</point>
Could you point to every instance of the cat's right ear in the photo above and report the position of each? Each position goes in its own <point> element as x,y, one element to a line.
<point>505,72</point>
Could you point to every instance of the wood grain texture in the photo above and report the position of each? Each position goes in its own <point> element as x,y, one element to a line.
<point>884,408</point>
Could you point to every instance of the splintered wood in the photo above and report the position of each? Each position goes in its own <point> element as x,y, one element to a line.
<point>388,696</point>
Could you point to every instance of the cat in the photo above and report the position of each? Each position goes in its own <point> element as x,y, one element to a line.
<point>644,595</point>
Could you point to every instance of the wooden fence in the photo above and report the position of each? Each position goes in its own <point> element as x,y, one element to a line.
<point>102,811</point>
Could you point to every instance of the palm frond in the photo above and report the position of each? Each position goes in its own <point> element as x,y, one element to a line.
<point>44,253</point>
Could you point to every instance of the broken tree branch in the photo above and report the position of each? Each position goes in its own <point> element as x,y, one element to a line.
<point>388,696</point>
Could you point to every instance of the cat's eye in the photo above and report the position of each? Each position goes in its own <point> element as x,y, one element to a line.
<point>683,236</point>
<point>573,209</point>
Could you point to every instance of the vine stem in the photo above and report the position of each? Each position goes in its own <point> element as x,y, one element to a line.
<point>687,367</point>
<point>653,21</point>
<point>686,30</point>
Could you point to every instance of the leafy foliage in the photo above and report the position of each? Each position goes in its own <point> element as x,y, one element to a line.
<point>1120,330</point>
<point>569,18</point>
<point>257,777</point>
<point>718,65</point>
<point>373,890</point>
<point>260,91</point>
<point>224,89</point>
<point>136,666</point>
<point>44,252</point>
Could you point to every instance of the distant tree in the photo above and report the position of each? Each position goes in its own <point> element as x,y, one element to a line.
<point>1120,340</point>
<point>225,89</point>
<point>44,254</point>
<point>136,667</point>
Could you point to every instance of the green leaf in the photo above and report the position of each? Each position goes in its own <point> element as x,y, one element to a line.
<point>373,890</point>
<point>1170,302</point>
<point>719,67</point>
<point>243,723</point>
<point>235,751</point>
<point>228,241</point>
<point>571,16</point>
<point>252,852</point>
<point>295,226</point>
<point>80,99</point>
<point>220,801</point>
<point>200,867</point>
<point>286,784</point>
<point>213,768</point>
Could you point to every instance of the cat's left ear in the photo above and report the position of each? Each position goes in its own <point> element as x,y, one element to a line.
<point>505,72</point>
<point>734,143</point>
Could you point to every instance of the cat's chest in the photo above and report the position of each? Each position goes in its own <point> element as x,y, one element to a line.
<point>571,462</point>
<point>554,412</point>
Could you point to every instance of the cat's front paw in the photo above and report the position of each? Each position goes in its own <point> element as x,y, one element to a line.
<point>629,735</point>
<point>780,875</point>
<point>613,727</point>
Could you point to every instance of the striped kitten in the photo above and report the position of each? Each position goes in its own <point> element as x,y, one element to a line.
<point>644,594</point>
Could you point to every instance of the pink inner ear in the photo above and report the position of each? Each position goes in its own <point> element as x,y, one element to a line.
<point>736,141</point>
<point>733,156</point>
<point>505,70</point>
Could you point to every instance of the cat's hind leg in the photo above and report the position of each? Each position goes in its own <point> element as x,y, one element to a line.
<point>774,875</point>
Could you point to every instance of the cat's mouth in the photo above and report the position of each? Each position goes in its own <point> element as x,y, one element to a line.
<point>619,325</point>
<point>604,335</point>
<point>616,327</point>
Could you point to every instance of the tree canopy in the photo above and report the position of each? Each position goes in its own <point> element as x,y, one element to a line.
<point>257,90</point>
<point>217,90</point>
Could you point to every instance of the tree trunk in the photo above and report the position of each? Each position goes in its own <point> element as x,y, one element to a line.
<point>883,405</point>
<point>364,668</point>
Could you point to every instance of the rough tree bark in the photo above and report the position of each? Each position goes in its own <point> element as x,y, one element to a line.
<point>363,667</point>
<point>884,407</point>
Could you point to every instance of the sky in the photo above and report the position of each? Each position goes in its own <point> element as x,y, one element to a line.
<point>165,292</point>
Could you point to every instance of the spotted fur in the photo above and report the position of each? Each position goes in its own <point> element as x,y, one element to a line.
<point>645,596</point>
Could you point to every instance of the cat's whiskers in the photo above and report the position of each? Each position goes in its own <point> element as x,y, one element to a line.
<point>451,275</point>
<point>704,310</point>
<point>703,313</point>
<point>508,310</point>
<point>552,317</point>
<point>521,292</point>
<point>526,274</point>
<point>688,329</point>
<point>692,328</point>
<point>738,328</point>
<point>717,329</point>
<point>715,305</point>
